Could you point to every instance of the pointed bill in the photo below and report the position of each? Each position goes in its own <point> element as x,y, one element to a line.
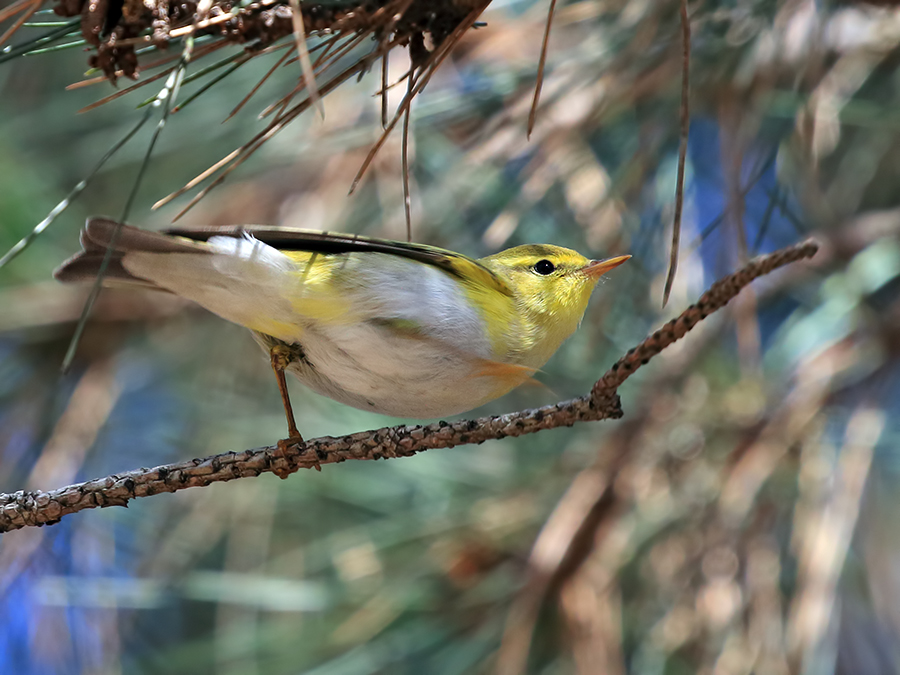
<point>597,268</point>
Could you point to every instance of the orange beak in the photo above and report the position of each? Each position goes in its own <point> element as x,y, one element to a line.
<point>597,268</point>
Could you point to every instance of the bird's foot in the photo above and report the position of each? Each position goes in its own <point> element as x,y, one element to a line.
<point>286,448</point>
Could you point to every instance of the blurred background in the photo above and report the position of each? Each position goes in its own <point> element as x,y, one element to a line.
<point>741,517</point>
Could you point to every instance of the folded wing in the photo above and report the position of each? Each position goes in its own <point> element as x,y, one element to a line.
<point>287,282</point>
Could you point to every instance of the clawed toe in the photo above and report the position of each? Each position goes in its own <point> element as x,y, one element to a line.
<point>286,446</point>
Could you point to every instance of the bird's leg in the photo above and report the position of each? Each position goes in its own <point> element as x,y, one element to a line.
<point>281,357</point>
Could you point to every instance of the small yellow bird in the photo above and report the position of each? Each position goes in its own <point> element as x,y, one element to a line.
<point>397,328</point>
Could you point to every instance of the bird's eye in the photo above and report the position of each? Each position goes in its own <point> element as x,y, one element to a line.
<point>544,267</point>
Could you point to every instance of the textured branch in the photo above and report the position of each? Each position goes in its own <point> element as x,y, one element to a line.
<point>30,508</point>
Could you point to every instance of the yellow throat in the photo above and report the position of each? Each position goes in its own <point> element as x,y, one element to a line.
<point>551,288</point>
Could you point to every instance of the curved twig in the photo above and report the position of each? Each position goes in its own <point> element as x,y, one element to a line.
<point>34,508</point>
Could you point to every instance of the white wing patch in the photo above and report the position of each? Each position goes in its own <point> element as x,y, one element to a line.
<point>248,255</point>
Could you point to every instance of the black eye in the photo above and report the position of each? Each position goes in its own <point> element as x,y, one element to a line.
<point>544,267</point>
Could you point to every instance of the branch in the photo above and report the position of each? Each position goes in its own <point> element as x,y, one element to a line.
<point>34,508</point>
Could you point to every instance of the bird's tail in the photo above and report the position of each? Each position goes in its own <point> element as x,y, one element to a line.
<point>99,233</point>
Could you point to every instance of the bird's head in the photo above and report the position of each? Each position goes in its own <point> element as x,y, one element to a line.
<point>550,281</point>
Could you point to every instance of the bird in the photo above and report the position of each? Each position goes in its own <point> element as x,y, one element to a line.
<point>398,328</point>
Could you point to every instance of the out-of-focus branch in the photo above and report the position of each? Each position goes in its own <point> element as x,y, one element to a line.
<point>30,508</point>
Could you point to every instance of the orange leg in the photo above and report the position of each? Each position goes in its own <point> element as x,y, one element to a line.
<point>281,358</point>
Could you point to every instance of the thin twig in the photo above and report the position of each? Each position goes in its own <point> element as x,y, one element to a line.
<point>235,158</point>
<point>542,62</point>
<point>257,86</point>
<point>428,69</point>
<point>15,51</point>
<point>31,508</point>
<point>404,167</point>
<point>384,90</point>
<point>23,243</point>
<point>242,154</point>
<point>199,25</point>
<point>329,58</point>
<point>400,80</point>
<point>203,51</point>
<point>682,148</point>
<point>167,95</point>
<point>718,295</point>
<point>18,6</point>
<point>309,76</point>
<point>18,23</point>
<point>326,59</point>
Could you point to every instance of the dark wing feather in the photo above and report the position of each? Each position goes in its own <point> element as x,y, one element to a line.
<point>98,233</point>
<point>331,243</point>
<point>86,265</point>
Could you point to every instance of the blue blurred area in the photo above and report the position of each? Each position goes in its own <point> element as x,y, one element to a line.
<point>60,585</point>
<point>771,218</point>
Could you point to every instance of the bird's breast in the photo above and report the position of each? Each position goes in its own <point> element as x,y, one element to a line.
<point>374,369</point>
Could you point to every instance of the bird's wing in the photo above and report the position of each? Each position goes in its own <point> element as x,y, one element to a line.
<point>272,280</point>
<point>98,233</point>
<point>287,239</point>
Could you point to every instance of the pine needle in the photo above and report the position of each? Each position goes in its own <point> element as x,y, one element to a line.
<point>437,57</point>
<point>239,156</point>
<point>20,21</point>
<point>69,198</point>
<point>542,62</point>
<point>259,84</point>
<point>203,51</point>
<point>682,149</point>
<point>404,160</point>
<point>309,77</point>
<point>28,6</point>
<point>384,89</point>
<point>165,99</point>
<point>11,52</point>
